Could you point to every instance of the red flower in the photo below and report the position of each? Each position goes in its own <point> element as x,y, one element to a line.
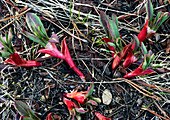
<point>120,56</point>
<point>100,116</point>
<point>49,117</point>
<point>70,105</point>
<point>68,59</point>
<point>16,60</point>
<point>129,59</point>
<point>78,96</point>
<point>107,40</point>
<point>52,50</point>
<point>139,71</point>
<point>142,35</point>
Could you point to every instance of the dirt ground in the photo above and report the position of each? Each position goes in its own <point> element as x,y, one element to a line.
<point>138,98</point>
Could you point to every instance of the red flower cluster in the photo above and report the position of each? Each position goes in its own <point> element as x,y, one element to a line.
<point>83,98</point>
<point>16,60</point>
<point>113,41</point>
<point>139,71</point>
<point>78,96</point>
<point>40,36</point>
<point>8,51</point>
<point>52,50</point>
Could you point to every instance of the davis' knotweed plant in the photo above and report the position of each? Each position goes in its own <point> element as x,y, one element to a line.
<point>8,51</point>
<point>83,98</point>
<point>113,41</point>
<point>152,24</point>
<point>144,67</point>
<point>40,36</point>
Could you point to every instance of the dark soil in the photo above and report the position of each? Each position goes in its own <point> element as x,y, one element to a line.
<point>31,84</point>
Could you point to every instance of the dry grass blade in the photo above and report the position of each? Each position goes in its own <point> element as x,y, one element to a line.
<point>9,18</point>
<point>155,113</point>
<point>65,30</point>
<point>161,110</point>
<point>140,89</point>
<point>81,32</point>
<point>16,18</point>
<point>9,2</point>
<point>77,35</point>
<point>153,86</point>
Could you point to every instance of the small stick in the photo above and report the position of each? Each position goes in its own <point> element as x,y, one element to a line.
<point>64,30</point>
<point>57,64</point>
<point>137,87</point>
<point>155,113</point>
<point>77,34</point>
<point>9,2</point>
<point>161,110</point>
<point>152,86</point>
<point>15,19</point>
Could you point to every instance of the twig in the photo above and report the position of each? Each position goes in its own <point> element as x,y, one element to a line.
<point>155,113</point>
<point>15,18</point>
<point>9,2</point>
<point>153,86</point>
<point>161,110</point>
<point>137,87</point>
<point>64,30</point>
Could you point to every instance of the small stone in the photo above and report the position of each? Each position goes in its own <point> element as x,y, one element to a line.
<point>139,101</point>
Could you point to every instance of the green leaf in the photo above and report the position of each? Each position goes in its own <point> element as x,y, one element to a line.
<point>103,21</point>
<point>7,46</point>
<point>152,26</point>
<point>147,58</point>
<point>164,17</point>
<point>112,44</point>
<point>90,89</point>
<point>151,58</point>
<point>70,8</point>
<point>164,93</point>
<point>114,18</point>
<point>43,35</point>
<point>34,38</point>
<point>21,108</point>
<point>33,21</point>
<point>6,37</point>
<point>79,11</point>
<point>4,53</point>
<point>144,50</point>
<point>149,10</point>
<point>113,30</point>
<point>32,114</point>
<point>136,41</point>
<point>2,40</point>
<point>98,100</point>
<point>10,36</point>
<point>86,17</point>
<point>119,44</point>
<point>144,65</point>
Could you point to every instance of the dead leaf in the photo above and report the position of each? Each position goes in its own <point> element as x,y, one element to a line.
<point>107,97</point>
